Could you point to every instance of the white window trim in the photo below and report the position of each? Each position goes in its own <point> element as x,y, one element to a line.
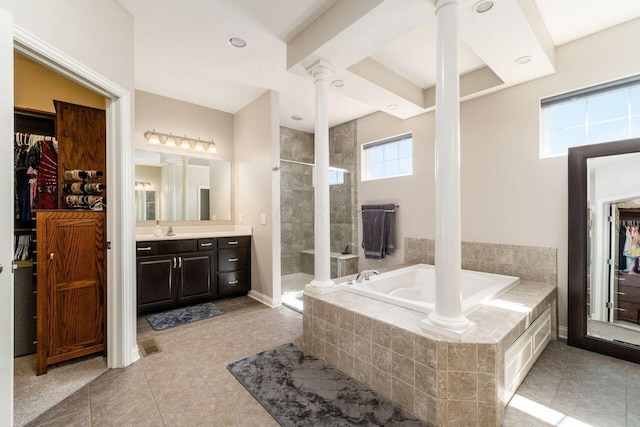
<point>364,167</point>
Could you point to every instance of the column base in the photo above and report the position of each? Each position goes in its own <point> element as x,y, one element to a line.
<point>320,288</point>
<point>450,327</point>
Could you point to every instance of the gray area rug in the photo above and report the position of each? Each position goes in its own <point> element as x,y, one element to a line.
<point>181,316</point>
<point>300,390</point>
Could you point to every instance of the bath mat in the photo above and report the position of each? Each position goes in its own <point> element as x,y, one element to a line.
<point>300,390</point>
<point>182,316</point>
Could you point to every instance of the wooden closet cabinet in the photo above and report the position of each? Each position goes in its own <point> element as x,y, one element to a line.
<point>71,285</point>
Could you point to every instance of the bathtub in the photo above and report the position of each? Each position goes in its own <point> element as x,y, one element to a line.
<point>414,287</point>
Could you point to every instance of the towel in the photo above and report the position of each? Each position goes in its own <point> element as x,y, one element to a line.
<point>378,230</point>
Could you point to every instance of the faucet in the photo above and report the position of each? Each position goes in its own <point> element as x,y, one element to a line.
<point>170,231</point>
<point>366,274</point>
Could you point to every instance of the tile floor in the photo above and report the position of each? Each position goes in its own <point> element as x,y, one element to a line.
<point>188,384</point>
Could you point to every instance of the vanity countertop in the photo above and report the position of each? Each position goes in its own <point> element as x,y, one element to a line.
<point>144,234</point>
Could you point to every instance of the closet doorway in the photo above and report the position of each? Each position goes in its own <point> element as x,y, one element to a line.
<point>121,258</point>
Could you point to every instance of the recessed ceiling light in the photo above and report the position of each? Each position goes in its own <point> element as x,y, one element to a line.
<point>337,83</point>
<point>237,41</point>
<point>392,106</point>
<point>523,60</point>
<point>483,6</point>
<point>296,118</point>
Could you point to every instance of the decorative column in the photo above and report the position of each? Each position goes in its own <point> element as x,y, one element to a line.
<point>321,72</point>
<point>185,188</point>
<point>448,307</point>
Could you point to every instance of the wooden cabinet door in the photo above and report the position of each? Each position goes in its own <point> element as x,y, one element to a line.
<point>197,272</point>
<point>156,281</point>
<point>82,140</point>
<point>71,286</point>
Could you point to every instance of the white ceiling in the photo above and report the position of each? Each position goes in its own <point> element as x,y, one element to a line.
<point>384,50</point>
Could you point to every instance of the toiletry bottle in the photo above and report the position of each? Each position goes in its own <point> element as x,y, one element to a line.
<point>157,231</point>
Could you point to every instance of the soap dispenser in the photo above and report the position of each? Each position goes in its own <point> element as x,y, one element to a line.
<point>157,231</point>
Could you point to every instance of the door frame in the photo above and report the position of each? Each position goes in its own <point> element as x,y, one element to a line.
<point>121,315</point>
<point>121,319</point>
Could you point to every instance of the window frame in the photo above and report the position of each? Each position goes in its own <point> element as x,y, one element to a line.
<point>365,159</point>
<point>585,94</point>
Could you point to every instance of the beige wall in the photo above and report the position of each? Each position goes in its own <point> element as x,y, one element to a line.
<point>168,115</point>
<point>36,86</point>
<point>150,174</point>
<point>257,132</point>
<point>509,195</point>
<point>97,33</point>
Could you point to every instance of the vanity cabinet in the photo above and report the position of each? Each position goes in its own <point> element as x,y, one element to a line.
<point>173,273</point>
<point>234,265</point>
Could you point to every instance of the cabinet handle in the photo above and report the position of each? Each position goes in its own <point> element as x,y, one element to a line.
<point>234,242</point>
<point>179,262</point>
<point>206,244</point>
<point>233,282</point>
<point>174,262</point>
<point>51,255</point>
<point>233,259</point>
<point>148,248</point>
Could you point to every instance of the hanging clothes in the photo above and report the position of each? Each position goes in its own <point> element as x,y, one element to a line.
<point>34,155</point>
<point>47,178</point>
<point>622,260</point>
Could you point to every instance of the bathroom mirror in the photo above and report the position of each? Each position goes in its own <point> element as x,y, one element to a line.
<point>175,187</point>
<point>604,248</point>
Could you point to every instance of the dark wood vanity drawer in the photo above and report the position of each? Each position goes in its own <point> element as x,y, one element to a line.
<point>233,283</point>
<point>630,313</point>
<point>631,293</point>
<point>232,259</point>
<point>206,244</point>
<point>233,242</point>
<point>147,248</point>
<point>174,246</point>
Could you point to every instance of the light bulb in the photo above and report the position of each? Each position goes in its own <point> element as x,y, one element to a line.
<point>212,148</point>
<point>185,144</point>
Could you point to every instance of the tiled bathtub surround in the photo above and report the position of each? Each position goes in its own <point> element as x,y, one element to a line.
<point>441,381</point>
<point>533,263</point>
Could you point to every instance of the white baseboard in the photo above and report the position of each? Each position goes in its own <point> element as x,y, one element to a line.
<point>563,332</point>
<point>271,302</point>
<point>135,354</point>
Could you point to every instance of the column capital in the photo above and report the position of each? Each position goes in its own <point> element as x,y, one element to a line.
<point>321,70</point>
<point>442,3</point>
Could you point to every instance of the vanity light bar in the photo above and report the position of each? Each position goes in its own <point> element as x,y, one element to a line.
<point>157,138</point>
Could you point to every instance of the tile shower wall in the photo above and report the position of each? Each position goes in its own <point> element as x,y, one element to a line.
<point>537,264</point>
<point>344,198</point>
<point>296,198</point>
<point>296,192</point>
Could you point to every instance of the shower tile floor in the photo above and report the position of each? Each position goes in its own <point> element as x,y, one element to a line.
<point>188,384</point>
<point>294,282</point>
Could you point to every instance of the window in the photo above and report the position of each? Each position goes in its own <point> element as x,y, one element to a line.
<point>336,176</point>
<point>608,112</point>
<point>388,158</point>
